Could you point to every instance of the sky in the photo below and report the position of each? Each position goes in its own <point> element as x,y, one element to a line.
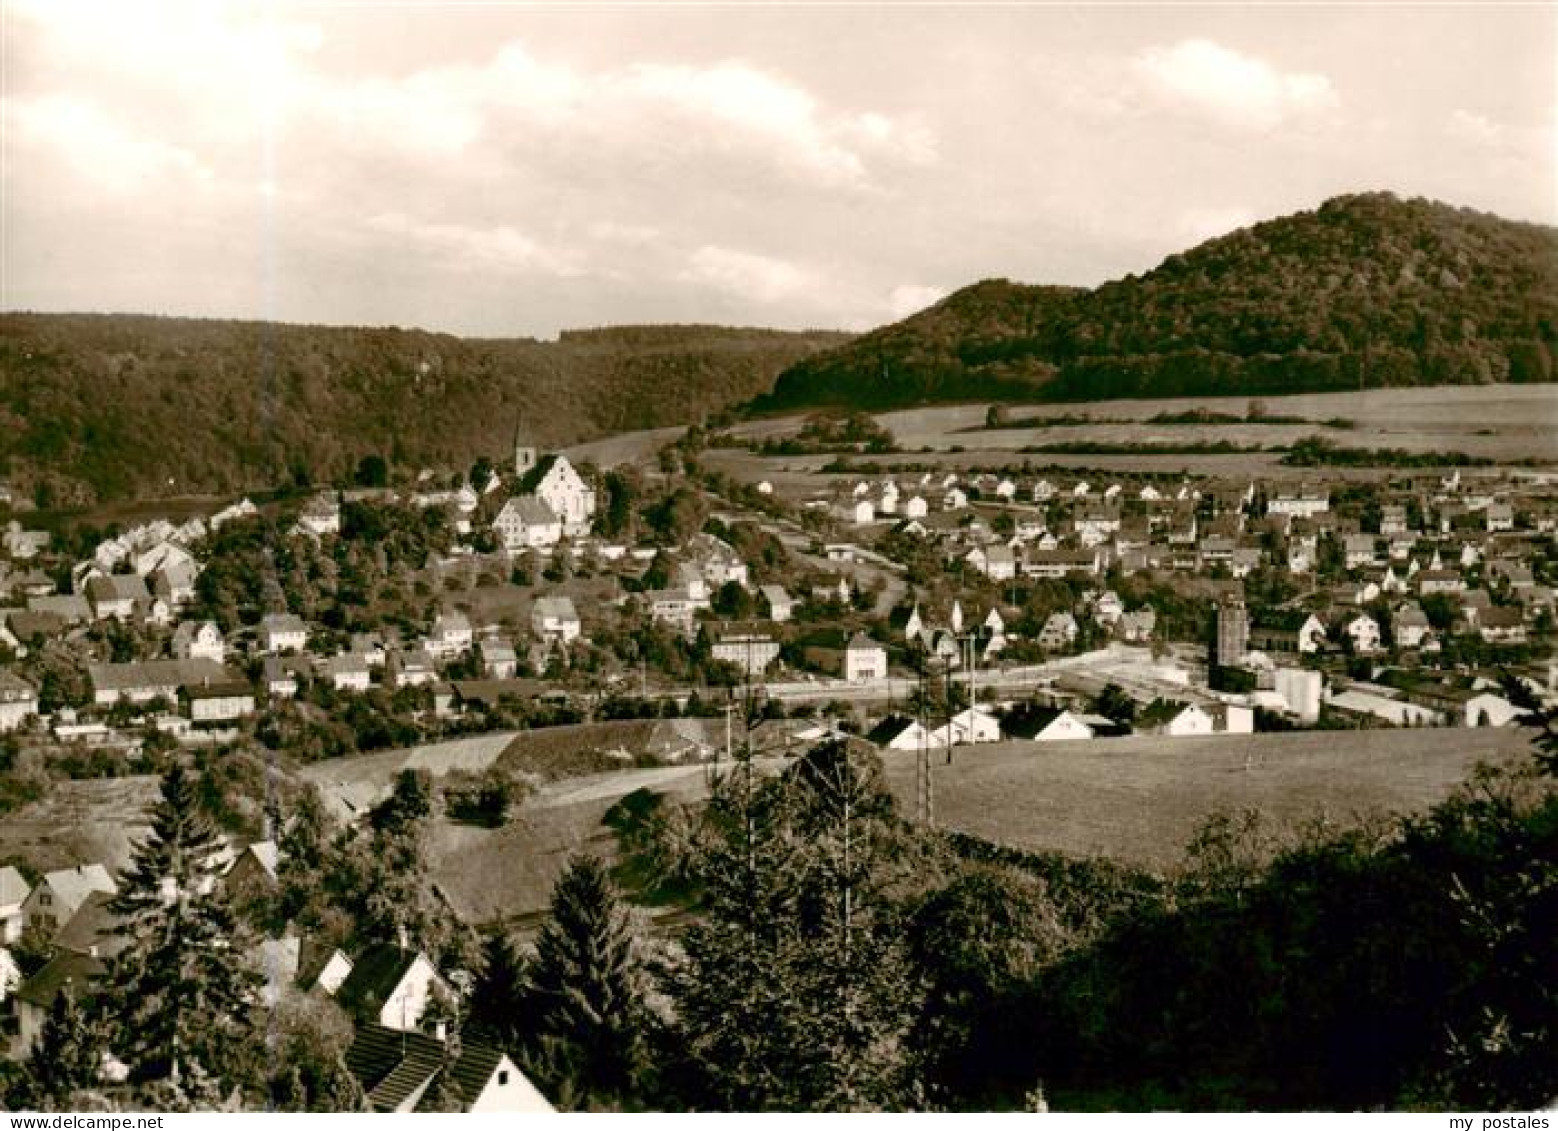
<point>502,170</point>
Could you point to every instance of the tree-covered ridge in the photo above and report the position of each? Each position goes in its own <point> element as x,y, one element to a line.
<point>1365,291</point>
<point>98,407</point>
<point>942,353</point>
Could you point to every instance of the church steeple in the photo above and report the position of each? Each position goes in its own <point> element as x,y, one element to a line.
<point>524,450</point>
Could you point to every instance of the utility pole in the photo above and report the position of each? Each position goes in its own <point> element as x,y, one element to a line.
<point>926,789</point>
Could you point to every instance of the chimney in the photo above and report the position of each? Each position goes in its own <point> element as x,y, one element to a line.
<point>441,1031</point>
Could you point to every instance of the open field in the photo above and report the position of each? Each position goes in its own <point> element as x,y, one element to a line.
<point>625,447</point>
<point>492,875</point>
<point>1506,422</point>
<point>1137,799</point>
<point>796,475</point>
<point>352,784</point>
<point>80,822</point>
<point>1509,422</point>
<point>1141,799</point>
<point>1496,421</point>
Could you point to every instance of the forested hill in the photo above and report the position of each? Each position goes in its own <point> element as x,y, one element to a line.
<point>1367,290</point>
<point>101,407</point>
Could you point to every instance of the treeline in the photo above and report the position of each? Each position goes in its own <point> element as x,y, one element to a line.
<point>1317,451</point>
<point>1368,291</point>
<point>1133,448</point>
<point>106,407</point>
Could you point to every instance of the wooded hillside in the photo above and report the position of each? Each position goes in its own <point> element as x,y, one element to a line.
<point>101,407</point>
<point>1365,291</point>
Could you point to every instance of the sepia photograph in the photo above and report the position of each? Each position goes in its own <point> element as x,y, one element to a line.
<point>737,556</point>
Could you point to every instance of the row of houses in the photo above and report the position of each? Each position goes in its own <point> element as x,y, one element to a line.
<point>1040,723</point>
<point>400,1054</point>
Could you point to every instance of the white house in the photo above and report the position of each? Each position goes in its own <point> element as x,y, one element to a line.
<point>864,659</point>
<point>222,702</point>
<point>972,725</point>
<point>14,891</point>
<point>916,507</point>
<point>402,1071</point>
<point>282,632</point>
<point>197,640</point>
<point>1304,502</point>
<point>1489,710</point>
<point>498,658</point>
<point>117,596</point>
<point>451,634</point>
<point>527,523</point>
<point>18,701</point>
<point>752,652</point>
<point>391,986</point>
<point>1054,725</point>
<point>716,561</point>
<point>1301,689</point>
<point>1363,631</point>
<point>410,668</point>
<point>780,605</point>
<point>59,895</point>
<point>902,734</point>
<point>555,618</point>
<point>555,481</point>
<point>1059,632</point>
<point>349,672</point>
<point>321,515</point>
<point>1137,626</point>
<point>1177,720</point>
<point>1410,625</point>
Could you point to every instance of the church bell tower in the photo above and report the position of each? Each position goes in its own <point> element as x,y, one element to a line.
<point>524,451</point>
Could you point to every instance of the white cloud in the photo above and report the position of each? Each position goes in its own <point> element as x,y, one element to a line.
<point>1231,87</point>
<point>1199,224</point>
<point>1518,143</point>
<point>910,298</point>
<point>757,278</point>
<point>501,247</point>
<point>100,149</point>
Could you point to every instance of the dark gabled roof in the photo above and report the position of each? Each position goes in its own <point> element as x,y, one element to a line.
<point>78,971</point>
<point>1282,620</point>
<point>392,1065</point>
<point>313,957</point>
<point>93,928</point>
<point>889,728</point>
<point>10,681</point>
<point>533,511</point>
<point>117,587</point>
<point>470,1073</point>
<point>532,478</point>
<point>1160,711</point>
<point>29,625</point>
<point>374,977</point>
<point>1030,720</point>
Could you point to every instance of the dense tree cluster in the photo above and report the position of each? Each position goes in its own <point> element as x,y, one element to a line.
<point>840,959</point>
<point>101,407</point>
<point>1366,291</point>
